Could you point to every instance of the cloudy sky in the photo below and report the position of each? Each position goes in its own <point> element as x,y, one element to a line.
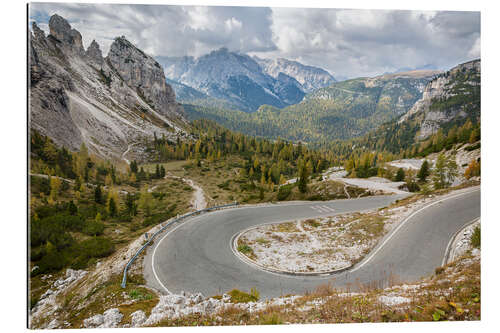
<point>348,43</point>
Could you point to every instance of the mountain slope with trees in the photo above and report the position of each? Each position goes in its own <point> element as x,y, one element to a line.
<point>341,111</point>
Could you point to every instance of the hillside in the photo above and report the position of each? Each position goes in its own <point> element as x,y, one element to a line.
<point>448,112</point>
<point>341,111</point>
<point>449,99</point>
<point>78,96</point>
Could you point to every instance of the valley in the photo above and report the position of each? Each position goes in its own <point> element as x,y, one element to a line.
<point>346,193</point>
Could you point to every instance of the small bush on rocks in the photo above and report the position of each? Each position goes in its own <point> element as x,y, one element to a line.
<point>475,239</point>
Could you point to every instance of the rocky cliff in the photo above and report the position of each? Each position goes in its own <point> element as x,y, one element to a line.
<point>78,96</point>
<point>309,77</point>
<point>450,98</point>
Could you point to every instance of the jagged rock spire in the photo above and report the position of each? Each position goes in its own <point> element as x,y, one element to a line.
<point>62,31</point>
<point>94,53</point>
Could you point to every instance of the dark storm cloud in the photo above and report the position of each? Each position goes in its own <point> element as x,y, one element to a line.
<point>348,43</point>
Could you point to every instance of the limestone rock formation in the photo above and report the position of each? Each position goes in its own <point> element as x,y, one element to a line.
<point>77,96</point>
<point>94,53</point>
<point>143,72</point>
<point>450,97</point>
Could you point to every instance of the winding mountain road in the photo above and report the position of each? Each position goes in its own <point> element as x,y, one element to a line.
<point>196,256</point>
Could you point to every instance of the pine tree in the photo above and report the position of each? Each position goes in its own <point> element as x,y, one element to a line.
<point>303,179</point>
<point>133,167</point>
<point>112,204</point>
<point>98,194</point>
<point>282,179</point>
<point>445,171</point>
<point>78,183</point>
<point>146,202</point>
<point>55,186</point>
<point>73,210</point>
<point>112,210</point>
<point>424,172</point>
<point>130,204</point>
<point>400,175</point>
<point>157,172</point>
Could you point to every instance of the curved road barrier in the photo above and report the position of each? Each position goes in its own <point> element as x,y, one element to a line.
<point>152,237</point>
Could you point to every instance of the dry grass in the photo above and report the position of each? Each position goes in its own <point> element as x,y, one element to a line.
<point>453,295</point>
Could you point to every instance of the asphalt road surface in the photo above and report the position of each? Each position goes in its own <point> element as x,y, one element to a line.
<point>196,255</point>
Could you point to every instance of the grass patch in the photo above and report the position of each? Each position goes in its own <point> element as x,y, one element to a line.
<point>245,249</point>
<point>238,296</point>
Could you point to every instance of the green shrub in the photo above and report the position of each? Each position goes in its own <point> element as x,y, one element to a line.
<point>33,301</point>
<point>224,185</point>
<point>245,249</point>
<point>284,191</point>
<point>93,228</point>
<point>473,147</point>
<point>139,295</point>
<point>238,296</point>
<point>96,247</point>
<point>475,239</point>
<point>52,261</point>
<point>160,217</point>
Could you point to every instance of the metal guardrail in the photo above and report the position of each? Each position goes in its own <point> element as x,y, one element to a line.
<point>150,239</point>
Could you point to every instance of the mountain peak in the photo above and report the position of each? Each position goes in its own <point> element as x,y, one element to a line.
<point>94,53</point>
<point>62,31</point>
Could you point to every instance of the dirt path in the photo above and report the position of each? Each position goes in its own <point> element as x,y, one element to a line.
<point>126,152</point>
<point>198,201</point>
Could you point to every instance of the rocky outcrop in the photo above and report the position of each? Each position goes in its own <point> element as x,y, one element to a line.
<point>62,32</point>
<point>451,96</point>
<point>309,77</point>
<point>76,96</point>
<point>109,319</point>
<point>143,73</point>
<point>94,53</point>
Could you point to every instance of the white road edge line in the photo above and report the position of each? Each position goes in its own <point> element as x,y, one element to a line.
<point>394,231</point>
<point>452,239</point>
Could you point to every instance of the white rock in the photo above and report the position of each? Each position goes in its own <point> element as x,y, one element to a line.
<point>393,300</point>
<point>112,318</point>
<point>138,318</point>
<point>53,324</point>
<point>94,321</point>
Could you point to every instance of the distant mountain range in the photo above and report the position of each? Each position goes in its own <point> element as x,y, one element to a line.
<point>238,81</point>
<point>342,110</point>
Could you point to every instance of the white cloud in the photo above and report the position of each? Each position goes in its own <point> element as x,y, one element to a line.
<point>346,42</point>
<point>232,24</point>
<point>475,51</point>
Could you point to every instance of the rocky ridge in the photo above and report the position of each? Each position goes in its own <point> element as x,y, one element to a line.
<point>309,77</point>
<point>78,96</point>
<point>450,97</point>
